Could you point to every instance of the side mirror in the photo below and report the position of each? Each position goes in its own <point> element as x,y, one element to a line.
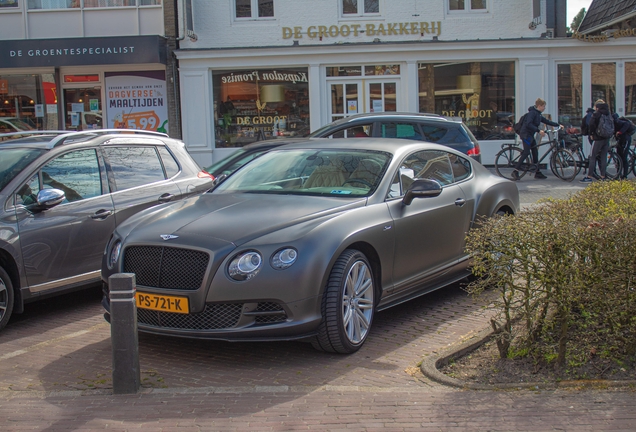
<point>48,198</point>
<point>421,188</point>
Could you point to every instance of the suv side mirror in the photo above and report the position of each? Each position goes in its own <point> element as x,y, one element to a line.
<point>421,188</point>
<point>48,198</point>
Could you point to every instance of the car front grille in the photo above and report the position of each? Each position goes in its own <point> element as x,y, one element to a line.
<point>213,317</point>
<point>166,267</point>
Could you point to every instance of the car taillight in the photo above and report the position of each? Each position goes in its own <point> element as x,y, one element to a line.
<point>474,151</point>
<point>205,174</point>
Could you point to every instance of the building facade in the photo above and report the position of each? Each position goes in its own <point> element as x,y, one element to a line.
<point>86,64</point>
<point>268,68</point>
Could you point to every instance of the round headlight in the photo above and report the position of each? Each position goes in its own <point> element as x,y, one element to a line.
<point>245,265</point>
<point>284,258</point>
<point>113,256</point>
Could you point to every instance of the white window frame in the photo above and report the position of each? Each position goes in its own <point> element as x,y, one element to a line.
<point>254,9</point>
<point>467,8</point>
<point>360,13</point>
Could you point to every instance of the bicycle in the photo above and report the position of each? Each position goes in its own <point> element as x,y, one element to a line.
<point>562,161</point>
<point>614,162</point>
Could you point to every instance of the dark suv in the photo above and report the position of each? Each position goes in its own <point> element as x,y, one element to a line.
<point>420,127</point>
<point>63,194</point>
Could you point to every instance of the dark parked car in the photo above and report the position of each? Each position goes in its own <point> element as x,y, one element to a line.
<point>307,241</point>
<point>62,196</point>
<point>421,127</point>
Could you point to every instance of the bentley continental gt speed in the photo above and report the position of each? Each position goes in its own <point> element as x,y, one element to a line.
<point>307,241</point>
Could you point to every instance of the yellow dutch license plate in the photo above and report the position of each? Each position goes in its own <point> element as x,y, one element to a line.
<point>162,303</point>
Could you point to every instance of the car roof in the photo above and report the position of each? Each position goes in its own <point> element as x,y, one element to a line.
<point>394,115</point>
<point>395,146</point>
<point>50,139</point>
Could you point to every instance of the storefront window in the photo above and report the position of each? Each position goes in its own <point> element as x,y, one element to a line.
<point>8,3</point>
<point>251,105</point>
<point>482,95</point>
<point>570,88</point>
<point>28,102</point>
<point>76,4</point>
<point>360,7</point>
<point>604,84</point>
<point>630,89</point>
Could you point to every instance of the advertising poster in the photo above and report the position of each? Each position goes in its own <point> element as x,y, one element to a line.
<point>137,100</point>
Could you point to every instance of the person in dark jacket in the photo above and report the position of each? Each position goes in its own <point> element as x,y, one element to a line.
<point>530,127</point>
<point>600,146</point>
<point>623,141</point>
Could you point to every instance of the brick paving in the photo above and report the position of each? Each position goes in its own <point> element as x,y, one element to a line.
<point>55,363</point>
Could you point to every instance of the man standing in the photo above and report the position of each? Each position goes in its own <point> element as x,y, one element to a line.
<point>624,130</point>
<point>528,130</point>
<point>601,128</point>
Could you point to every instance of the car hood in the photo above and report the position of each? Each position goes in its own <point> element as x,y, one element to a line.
<point>235,218</point>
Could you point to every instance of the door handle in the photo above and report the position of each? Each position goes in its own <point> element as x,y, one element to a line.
<point>101,214</point>
<point>460,202</point>
<point>167,197</point>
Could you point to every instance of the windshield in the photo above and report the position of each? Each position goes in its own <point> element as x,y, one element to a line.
<point>319,132</point>
<point>233,162</point>
<point>13,161</point>
<point>332,172</point>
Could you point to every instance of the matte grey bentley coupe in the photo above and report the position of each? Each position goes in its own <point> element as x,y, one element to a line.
<point>307,241</point>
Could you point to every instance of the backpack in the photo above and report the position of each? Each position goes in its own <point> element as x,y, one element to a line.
<point>632,126</point>
<point>605,128</point>
<point>517,126</point>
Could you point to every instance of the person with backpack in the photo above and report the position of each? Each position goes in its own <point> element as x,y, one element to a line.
<point>601,128</point>
<point>624,130</point>
<point>529,127</point>
<point>585,128</point>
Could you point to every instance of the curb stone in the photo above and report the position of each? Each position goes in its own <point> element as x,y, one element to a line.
<point>431,364</point>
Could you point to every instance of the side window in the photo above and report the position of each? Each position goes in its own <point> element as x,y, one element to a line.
<point>76,173</point>
<point>400,130</point>
<point>460,166</point>
<point>28,193</point>
<point>169,164</point>
<point>429,164</point>
<point>134,166</point>
<point>357,132</point>
<point>434,133</point>
<point>254,9</point>
<point>402,180</point>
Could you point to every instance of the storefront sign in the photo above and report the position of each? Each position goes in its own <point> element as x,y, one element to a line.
<point>617,34</point>
<point>4,86</point>
<point>260,76</point>
<point>434,28</point>
<point>82,51</point>
<point>137,100</point>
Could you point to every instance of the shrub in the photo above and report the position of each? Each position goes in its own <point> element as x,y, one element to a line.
<point>564,275</point>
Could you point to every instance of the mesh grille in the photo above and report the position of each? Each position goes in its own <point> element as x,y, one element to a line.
<point>281,316</point>
<point>165,267</point>
<point>214,316</point>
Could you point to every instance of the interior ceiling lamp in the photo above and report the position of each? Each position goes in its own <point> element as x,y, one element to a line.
<point>270,93</point>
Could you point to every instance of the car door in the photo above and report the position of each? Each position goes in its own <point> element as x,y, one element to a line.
<point>63,245</point>
<point>137,179</point>
<point>429,232</point>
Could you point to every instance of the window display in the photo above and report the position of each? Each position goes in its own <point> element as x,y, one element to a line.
<point>28,101</point>
<point>481,94</point>
<point>252,105</point>
<point>570,88</point>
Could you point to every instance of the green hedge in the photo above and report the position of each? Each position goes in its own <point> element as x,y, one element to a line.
<point>564,272</point>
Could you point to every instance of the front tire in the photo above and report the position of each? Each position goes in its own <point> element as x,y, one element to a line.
<point>563,164</point>
<point>505,162</point>
<point>6,298</point>
<point>348,305</point>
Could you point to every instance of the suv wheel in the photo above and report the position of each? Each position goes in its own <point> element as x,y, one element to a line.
<point>6,298</point>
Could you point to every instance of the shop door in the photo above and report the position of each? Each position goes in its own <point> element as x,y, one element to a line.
<point>83,108</point>
<point>362,96</point>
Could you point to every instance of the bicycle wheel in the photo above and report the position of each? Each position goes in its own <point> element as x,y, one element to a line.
<point>614,167</point>
<point>505,162</point>
<point>563,164</point>
<point>632,161</point>
<point>580,160</point>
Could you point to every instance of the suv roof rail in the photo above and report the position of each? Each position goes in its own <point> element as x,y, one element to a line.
<point>60,139</point>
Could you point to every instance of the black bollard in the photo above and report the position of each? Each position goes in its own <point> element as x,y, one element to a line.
<point>123,333</point>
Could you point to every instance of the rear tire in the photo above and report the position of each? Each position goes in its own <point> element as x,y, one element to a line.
<point>6,298</point>
<point>505,162</point>
<point>614,167</point>
<point>348,305</point>
<point>563,164</point>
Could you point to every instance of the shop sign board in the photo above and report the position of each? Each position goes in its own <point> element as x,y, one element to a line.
<point>137,100</point>
<point>82,51</point>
